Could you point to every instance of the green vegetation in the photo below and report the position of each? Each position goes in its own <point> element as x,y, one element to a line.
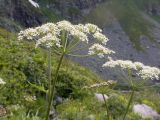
<point>143,3</point>
<point>52,17</point>
<point>128,13</point>
<point>50,14</point>
<point>9,24</point>
<point>82,109</point>
<point>22,67</point>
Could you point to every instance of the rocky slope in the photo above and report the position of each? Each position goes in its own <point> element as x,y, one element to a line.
<point>130,26</point>
<point>120,43</point>
<point>73,9</point>
<point>15,14</point>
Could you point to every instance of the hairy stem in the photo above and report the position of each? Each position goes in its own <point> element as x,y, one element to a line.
<point>53,87</point>
<point>49,73</point>
<point>108,114</point>
<point>129,103</point>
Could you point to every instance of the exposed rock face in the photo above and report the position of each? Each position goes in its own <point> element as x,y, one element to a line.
<point>25,14</point>
<point>19,11</point>
<point>153,9</point>
<point>73,9</point>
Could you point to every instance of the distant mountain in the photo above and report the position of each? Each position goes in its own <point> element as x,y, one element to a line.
<point>15,14</point>
<point>133,26</point>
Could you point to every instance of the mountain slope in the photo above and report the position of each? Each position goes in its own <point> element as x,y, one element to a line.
<point>129,15</point>
<point>131,25</point>
<point>133,32</point>
<point>16,14</point>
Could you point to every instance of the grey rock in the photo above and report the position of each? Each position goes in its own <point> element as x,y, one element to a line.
<point>53,115</point>
<point>58,100</point>
<point>100,98</point>
<point>145,111</point>
<point>91,117</point>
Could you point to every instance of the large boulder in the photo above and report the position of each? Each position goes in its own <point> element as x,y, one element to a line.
<point>100,98</point>
<point>145,111</point>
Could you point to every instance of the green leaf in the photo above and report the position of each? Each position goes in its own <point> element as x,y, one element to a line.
<point>40,88</point>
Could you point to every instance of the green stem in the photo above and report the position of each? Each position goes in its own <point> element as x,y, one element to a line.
<point>81,55</point>
<point>82,48</point>
<point>73,46</point>
<point>49,72</point>
<point>129,103</point>
<point>53,86</point>
<point>108,114</point>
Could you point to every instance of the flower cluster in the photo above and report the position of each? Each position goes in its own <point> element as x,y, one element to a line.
<point>93,28</point>
<point>143,71</point>
<point>100,37</point>
<point>29,34</point>
<point>124,64</point>
<point>2,82</point>
<point>98,85</point>
<point>30,98</point>
<point>97,33</point>
<point>51,34</point>
<point>82,28</point>
<point>46,34</point>
<point>150,72</point>
<point>99,50</point>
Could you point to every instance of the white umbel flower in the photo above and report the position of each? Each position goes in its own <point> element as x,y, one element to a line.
<point>28,34</point>
<point>49,40</point>
<point>46,34</point>
<point>82,28</point>
<point>2,82</point>
<point>99,50</point>
<point>98,85</point>
<point>77,31</point>
<point>139,65</point>
<point>81,36</point>
<point>124,64</point>
<point>48,28</point>
<point>143,71</point>
<point>93,28</point>
<point>100,37</point>
<point>66,26</point>
<point>149,73</point>
<point>64,33</point>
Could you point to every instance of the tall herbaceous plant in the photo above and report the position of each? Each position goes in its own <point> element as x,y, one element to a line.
<point>63,38</point>
<point>136,73</point>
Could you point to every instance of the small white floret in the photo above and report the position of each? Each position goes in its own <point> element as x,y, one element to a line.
<point>2,82</point>
<point>36,5</point>
<point>98,49</point>
<point>143,71</point>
